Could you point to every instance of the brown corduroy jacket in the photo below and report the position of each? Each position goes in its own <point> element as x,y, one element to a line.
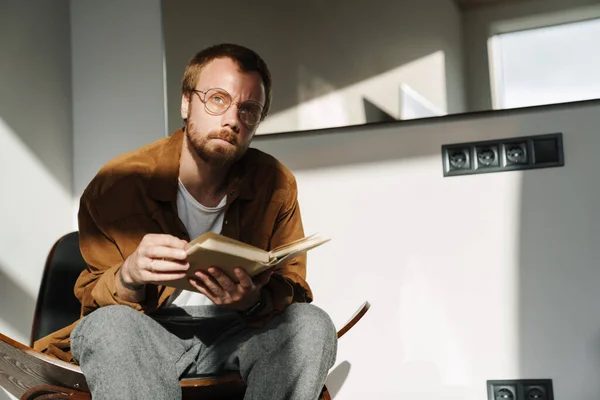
<point>135,194</point>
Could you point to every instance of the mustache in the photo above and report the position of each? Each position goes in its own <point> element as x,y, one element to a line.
<point>224,134</point>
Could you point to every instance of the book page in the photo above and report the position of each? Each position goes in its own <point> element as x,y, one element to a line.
<point>216,242</point>
<point>285,246</point>
<point>298,246</point>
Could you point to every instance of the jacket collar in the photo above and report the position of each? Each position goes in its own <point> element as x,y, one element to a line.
<point>163,183</point>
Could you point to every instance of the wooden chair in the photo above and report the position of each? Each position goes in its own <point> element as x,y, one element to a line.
<point>28,374</point>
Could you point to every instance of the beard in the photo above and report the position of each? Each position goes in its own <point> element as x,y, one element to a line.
<point>215,154</point>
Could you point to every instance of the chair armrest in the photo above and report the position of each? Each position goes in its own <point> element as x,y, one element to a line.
<point>362,310</point>
<point>223,378</point>
<point>24,368</point>
<point>47,392</point>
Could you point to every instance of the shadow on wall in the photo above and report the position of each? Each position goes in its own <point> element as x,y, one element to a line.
<point>374,113</point>
<point>16,305</point>
<point>559,317</point>
<point>35,77</point>
<point>330,43</point>
<point>383,42</point>
<point>337,377</point>
<point>339,148</point>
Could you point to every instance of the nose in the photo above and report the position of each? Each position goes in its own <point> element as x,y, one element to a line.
<point>230,119</point>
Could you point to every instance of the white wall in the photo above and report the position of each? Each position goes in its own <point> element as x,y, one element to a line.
<point>118,81</point>
<point>36,152</point>
<point>471,278</point>
<point>63,115</point>
<point>479,24</point>
<point>325,56</point>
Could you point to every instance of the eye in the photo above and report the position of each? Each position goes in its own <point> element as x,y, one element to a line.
<point>250,108</point>
<point>217,99</point>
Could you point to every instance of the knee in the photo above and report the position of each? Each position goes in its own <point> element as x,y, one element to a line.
<point>110,323</point>
<point>107,320</point>
<point>313,326</point>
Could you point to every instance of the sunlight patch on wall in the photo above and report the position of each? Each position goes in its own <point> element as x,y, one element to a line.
<point>441,271</point>
<point>323,106</point>
<point>36,210</point>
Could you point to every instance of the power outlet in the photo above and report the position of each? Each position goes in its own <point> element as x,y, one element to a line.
<point>520,389</point>
<point>487,156</point>
<point>505,392</point>
<point>528,152</point>
<point>515,153</point>
<point>538,390</point>
<point>458,159</point>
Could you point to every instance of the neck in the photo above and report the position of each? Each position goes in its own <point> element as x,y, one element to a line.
<point>206,183</point>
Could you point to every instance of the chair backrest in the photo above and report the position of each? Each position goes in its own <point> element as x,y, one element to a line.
<point>57,305</point>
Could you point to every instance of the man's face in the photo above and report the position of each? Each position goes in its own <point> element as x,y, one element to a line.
<point>221,139</point>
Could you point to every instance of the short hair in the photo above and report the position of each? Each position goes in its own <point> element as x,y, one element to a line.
<point>247,60</point>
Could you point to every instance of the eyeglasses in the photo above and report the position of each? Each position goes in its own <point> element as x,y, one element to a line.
<point>217,101</point>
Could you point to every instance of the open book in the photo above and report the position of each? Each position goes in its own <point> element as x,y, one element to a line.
<point>212,249</point>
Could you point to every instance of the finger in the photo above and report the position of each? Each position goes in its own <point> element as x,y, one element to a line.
<point>201,288</point>
<point>222,279</point>
<point>161,239</point>
<point>243,278</point>
<point>209,283</point>
<point>162,266</point>
<point>164,252</point>
<point>163,277</point>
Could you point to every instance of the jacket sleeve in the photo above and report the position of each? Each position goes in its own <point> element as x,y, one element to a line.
<point>95,286</point>
<point>288,283</point>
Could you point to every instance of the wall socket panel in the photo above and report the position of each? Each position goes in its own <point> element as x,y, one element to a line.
<point>520,389</point>
<point>529,152</point>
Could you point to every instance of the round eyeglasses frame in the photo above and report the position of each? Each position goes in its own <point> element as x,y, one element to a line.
<point>240,105</point>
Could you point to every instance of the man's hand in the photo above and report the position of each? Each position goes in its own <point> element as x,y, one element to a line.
<point>221,290</point>
<point>159,257</point>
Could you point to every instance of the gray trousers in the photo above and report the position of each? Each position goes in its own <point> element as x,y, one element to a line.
<point>125,354</point>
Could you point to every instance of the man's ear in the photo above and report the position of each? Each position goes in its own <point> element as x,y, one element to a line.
<point>185,105</point>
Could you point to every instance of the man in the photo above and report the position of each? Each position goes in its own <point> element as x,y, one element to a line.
<point>137,339</point>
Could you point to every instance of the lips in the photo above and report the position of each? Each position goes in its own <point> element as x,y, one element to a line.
<point>226,136</point>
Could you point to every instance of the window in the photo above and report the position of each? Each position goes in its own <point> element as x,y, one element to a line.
<point>554,64</point>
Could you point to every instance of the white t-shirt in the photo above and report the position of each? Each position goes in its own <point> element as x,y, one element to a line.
<point>198,219</point>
